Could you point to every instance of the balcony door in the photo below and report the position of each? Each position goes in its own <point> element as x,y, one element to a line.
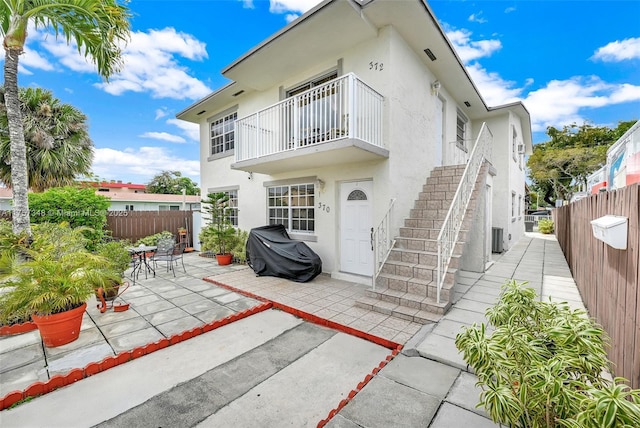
<point>356,221</point>
<point>317,104</point>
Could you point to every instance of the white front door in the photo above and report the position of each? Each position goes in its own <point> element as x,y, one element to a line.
<point>356,221</point>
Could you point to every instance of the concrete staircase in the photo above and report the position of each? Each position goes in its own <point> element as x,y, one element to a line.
<point>406,287</point>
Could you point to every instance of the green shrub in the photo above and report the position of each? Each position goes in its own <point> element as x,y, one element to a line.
<point>117,254</point>
<point>545,226</point>
<point>152,240</point>
<point>543,366</point>
<point>80,207</point>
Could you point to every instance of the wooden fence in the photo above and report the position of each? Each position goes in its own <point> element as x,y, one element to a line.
<point>606,277</point>
<point>133,225</point>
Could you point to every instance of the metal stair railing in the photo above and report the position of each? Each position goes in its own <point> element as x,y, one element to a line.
<point>381,243</point>
<point>448,235</point>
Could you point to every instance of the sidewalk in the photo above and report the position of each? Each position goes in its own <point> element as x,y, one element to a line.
<point>274,369</point>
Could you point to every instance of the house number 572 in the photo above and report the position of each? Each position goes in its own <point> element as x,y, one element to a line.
<point>323,207</point>
<point>376,66</point>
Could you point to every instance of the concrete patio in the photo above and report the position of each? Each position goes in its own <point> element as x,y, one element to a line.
<point>428,381</point>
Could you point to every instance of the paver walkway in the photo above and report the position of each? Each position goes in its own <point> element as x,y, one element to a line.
<point>281,371</point>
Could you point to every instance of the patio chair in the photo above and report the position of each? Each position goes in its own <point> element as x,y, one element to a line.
<point>168,251</point>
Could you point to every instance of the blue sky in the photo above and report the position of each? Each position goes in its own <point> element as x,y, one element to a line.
<point>568,61</point>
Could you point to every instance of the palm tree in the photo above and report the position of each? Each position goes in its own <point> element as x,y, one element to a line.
<point>57,141</point>
<point>96,26</point>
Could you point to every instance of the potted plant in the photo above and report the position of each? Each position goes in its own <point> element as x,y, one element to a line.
<point>219,235</point>
<point>119,260</point>
<point>51,279</point>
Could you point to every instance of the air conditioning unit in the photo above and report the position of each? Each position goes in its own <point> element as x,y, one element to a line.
<point>520,149</point>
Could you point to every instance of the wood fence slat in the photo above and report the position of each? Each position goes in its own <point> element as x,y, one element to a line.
<point>607,278</point>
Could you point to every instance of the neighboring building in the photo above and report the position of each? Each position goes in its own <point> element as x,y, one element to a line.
<point>118,186</point>
<point>151,202</point>
<point>5,199</point>
<point>347,108</point>
<point>128,197</point>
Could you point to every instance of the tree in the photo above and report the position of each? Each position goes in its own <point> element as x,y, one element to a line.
<point>57,141</point>
<point>561,165</point>
<point>79,207</point>
<point>172,183</point>
<point>96,26</point>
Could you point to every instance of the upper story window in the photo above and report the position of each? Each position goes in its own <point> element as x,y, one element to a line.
<point>461,130</point>
<point>514,143</point>
<point>222,133</point>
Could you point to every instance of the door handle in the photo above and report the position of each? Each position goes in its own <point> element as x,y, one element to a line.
<point>372,239</point>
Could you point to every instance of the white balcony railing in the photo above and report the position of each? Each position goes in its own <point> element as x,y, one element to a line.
<point>453,221</point>
<point>341,108</point>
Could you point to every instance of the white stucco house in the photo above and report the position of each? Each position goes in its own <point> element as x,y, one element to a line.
<point>352,126</point>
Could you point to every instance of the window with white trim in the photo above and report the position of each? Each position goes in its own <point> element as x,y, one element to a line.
<point>514,142</point>
<point>519,205</point>
<point>222,134</point>
<point>292,206</point>
<point>461,130</point>
<point>232,206</point>
<point>513,205</point>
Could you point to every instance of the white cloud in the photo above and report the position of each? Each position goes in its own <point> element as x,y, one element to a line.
<point>619,50</point>
<point>149,63</point>
<point>150,66</point>
<point>299,6</point>
<point>468,49</point>
<point>247,4</point>
<point>190,130</point>
<point>143,163</point>
<point>32,59</point>
<point>510,9</point>
<point>493,88</point>
<point>562,102</point>
<point>164,136</point>
<point>476,17</point>
<point>161,112</point>
<point>559,102</point>
<point>289,17</point>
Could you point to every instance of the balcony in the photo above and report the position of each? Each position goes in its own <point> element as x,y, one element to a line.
<point>337,122</point>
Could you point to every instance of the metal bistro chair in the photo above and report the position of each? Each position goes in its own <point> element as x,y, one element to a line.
<point>168,251</point>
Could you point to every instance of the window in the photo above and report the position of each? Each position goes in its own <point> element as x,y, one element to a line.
<point>514,142</point>
<point>232,205</point>
<point>519,205</point>
<point>292,206</point>
<point>168,207</point>
<point>461,130</point>
<point>223,133</point>
<point>128,207</point>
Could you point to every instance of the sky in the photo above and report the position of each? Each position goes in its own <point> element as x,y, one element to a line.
<point>567,61</point>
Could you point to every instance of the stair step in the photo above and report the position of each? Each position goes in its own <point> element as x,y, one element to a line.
<point>419,232</point>
<point>424,311</point>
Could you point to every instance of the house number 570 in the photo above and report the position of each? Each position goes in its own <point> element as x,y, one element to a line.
<point>376,66</point>
<point>323,207</point>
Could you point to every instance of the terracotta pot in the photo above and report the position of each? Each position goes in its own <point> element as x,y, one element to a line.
<point>224,259</point>
<point>62,328</point>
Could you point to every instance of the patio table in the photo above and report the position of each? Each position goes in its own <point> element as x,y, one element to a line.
<point>141,253</point>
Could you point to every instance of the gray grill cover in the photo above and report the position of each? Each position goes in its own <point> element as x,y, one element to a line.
<point>270,252</point>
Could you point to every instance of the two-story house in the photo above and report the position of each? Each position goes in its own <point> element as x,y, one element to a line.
<point>352,126</point>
